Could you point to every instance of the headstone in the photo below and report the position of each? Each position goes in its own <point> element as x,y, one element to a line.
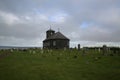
<point>64,48</point>
<point>99,50</point>
<point>104,49</point>
<point>11,50</point>
<point>34,52</point>
<point>78,46</point>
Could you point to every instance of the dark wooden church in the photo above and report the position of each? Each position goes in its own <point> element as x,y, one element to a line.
<point>55,40</point>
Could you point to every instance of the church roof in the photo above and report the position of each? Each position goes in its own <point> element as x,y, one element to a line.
<point>57,35</point>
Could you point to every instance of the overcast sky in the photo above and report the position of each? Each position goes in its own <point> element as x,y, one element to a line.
<point>85,22</point>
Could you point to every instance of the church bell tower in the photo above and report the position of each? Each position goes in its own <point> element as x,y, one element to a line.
<point>49,33</point>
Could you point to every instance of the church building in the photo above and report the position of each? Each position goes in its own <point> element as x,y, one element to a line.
<point>55,40</point>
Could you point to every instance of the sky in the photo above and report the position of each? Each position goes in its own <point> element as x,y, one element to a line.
<point>85,22</point>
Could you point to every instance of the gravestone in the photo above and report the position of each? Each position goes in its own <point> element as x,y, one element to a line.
<point>104,50</point>
<point>78,46</point>
<point>99,50</point>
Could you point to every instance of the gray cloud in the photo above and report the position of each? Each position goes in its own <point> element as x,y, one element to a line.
<point>24,22</point>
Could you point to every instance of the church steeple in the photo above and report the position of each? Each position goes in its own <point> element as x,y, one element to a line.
<point>49,33</point>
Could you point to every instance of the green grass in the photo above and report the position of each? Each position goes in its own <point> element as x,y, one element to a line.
<point>59,65</point>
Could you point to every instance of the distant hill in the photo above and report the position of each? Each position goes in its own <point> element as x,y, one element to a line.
<point>17,47</point>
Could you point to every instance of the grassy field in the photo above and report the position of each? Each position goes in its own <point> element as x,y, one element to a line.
<point>58,65</point>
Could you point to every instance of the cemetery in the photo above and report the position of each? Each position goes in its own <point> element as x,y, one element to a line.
<point>60,64</point>
<point>59,40</point>
<point>56,61</point>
